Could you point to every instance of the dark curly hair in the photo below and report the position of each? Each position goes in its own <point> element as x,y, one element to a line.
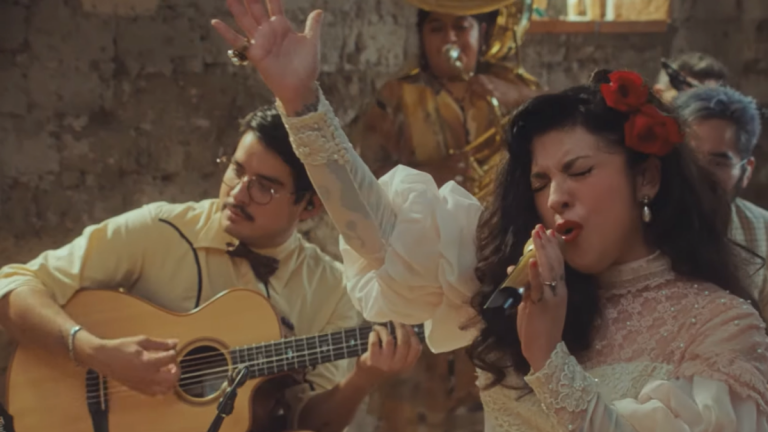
<point>690,224</point>
<point>267,124</point>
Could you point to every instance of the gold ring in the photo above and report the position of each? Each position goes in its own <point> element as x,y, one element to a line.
<point>238,56</point>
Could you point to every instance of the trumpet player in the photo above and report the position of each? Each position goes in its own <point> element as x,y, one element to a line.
<point>456,97</point>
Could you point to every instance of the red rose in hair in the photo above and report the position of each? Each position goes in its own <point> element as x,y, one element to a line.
<point>649,131</point>
<point>626,92</point>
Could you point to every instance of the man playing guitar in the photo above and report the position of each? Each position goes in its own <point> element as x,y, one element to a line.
<point>179,256</point>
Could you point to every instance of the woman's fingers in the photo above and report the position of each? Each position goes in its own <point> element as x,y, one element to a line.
<point>549,264</point>
<point>243,17</point>
<point>536,291</point>
<point>258,12</point>
<point>275,7</point>
<point>230,36</point>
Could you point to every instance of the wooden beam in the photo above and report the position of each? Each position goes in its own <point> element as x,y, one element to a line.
<point>561,26</point>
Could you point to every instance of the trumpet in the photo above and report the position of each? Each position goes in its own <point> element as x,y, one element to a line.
<point>452,53</point>
<point>482,156</point>
<point>510,293</point>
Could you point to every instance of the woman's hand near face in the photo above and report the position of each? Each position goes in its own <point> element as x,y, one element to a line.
<point>510,95</point>
<point>541,315</point>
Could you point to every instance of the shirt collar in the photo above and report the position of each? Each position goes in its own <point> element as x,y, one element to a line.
<point>211,235</point>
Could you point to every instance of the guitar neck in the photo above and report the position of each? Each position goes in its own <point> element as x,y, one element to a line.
<point>307,351</point>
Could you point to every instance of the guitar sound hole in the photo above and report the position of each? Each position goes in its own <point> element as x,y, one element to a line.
<point>204,369</point>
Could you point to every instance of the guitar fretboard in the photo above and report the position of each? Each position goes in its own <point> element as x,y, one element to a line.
<point>307,351</point>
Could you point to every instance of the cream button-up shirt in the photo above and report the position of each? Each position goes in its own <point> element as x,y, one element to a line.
<point>749,227</point>
<point>174,256</point>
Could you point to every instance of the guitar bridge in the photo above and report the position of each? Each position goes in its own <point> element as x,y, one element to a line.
<point>97,399</point>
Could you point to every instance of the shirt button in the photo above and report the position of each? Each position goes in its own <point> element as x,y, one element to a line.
<point>459,178</point>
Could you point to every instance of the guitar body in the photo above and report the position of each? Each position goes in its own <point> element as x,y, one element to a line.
<point>49,393</point>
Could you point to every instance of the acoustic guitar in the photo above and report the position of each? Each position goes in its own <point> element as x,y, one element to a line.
<point>238,327</point>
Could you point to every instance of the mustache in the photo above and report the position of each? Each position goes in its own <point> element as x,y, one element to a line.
<point>240,209</point>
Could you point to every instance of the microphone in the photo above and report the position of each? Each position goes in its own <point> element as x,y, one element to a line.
<point>227,402</point>
<point>510,293</point>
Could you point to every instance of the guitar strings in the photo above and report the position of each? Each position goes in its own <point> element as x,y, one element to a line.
<point>273,362</point>
<point>251,351</point>
<point>95,396</point>
<point>334,350</point>
<point>245,350</point>
<point>284,342</point>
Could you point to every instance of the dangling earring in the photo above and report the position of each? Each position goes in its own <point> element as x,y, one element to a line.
<point>647,216</point>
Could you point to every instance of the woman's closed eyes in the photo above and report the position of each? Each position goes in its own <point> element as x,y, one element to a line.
<point>538,184</point>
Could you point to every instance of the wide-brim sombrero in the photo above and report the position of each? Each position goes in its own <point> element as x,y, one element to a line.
<point>460,7</point>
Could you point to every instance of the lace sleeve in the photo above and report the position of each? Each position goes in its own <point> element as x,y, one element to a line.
<point>351,194</point>
<point>408,247</point>
<point>719,383</point>
<point>565,390</point>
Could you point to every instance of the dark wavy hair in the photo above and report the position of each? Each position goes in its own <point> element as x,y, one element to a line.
<point>690,223</point>
<point>267,124</point>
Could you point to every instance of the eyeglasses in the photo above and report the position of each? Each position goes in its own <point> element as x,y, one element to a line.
<point>719,164</point>
<point>259,190</point>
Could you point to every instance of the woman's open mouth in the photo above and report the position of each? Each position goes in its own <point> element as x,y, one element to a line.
<point>569,230</point>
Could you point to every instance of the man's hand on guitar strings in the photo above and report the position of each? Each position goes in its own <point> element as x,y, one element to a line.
<point>388,355</point>
<point>146,365</point>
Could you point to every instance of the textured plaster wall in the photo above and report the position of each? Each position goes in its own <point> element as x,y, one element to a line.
<point>108,105</point>
<point>103,112</point>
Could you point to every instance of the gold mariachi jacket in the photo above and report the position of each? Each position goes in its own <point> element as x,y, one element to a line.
<point>415,122</point>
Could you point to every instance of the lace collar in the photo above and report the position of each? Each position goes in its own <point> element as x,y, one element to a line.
<point>625,278</point>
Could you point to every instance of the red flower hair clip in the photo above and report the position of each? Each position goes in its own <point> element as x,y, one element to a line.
<point>648,130</point>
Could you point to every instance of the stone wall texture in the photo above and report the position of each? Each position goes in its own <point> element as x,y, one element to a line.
<point>106,105</point>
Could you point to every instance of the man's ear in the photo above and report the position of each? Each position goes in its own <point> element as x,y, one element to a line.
<point>648,179</point>
<point>312,207</point>
<point>750,167</point>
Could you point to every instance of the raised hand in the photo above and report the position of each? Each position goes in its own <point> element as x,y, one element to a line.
<point>289,62</point>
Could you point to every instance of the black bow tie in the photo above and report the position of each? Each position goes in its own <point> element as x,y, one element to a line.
<point>263,266</point>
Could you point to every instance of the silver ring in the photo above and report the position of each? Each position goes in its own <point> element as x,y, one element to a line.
<point>238,56</point>
<point>552,286</point>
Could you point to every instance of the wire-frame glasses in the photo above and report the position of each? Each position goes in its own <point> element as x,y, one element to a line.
<point>260,191</point>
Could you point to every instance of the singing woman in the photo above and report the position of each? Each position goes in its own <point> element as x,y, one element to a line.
<point>640,323</point>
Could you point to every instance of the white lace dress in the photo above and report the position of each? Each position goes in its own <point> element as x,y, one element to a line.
<point>668,355</point>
